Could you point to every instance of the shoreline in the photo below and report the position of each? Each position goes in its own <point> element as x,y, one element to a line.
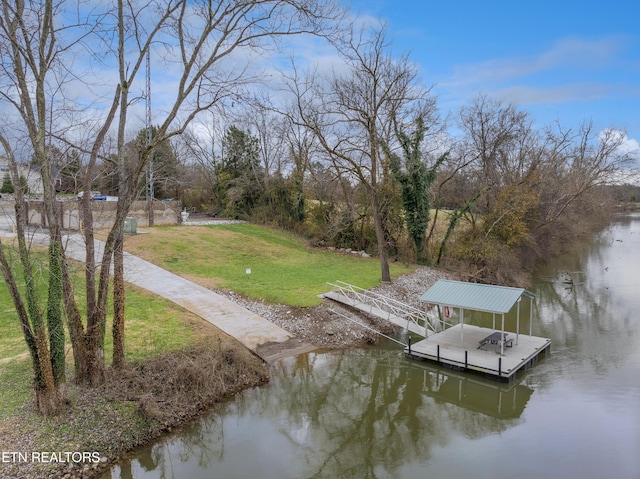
<point>123,414</point>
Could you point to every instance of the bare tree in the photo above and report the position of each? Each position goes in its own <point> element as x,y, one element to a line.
<point>200,40</point>
<point>204,35</point>
<point>350,112</point>
<point>501,141</point>
<point>301,146</point>
<point>574,163</point>
<point>30,50</point>
<point>267,127</point>
<point>200,150</point>
<point>542,186</point>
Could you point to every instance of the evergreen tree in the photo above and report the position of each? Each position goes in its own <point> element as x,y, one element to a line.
<point>238,174</point>
<point>165,165</point>
<point>7,185</point>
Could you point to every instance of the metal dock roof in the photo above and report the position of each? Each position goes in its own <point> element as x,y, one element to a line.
<point>473,296</point>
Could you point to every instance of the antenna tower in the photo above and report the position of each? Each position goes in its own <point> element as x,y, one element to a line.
<point>150,192</point>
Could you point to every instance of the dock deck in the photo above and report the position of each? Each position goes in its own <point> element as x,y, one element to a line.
<point>449,349</point>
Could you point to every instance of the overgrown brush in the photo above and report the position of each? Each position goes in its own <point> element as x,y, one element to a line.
<point>178,385</point>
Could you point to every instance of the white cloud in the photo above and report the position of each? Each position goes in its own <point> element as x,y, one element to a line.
<point>570,80</point>
<point>580,92</point>
<point>628,146</point>
<point>568,53</point>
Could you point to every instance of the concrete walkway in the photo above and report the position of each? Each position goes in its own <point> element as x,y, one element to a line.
<point>267,340</point>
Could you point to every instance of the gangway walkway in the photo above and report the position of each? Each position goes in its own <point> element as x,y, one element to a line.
<point>401,314</point>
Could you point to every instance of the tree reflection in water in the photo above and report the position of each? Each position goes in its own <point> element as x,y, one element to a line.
<point>357,413</point>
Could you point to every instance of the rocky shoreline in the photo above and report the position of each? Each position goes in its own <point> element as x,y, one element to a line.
<point>323,328</point>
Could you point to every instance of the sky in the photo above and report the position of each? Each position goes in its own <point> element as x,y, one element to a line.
<point>562,61</point>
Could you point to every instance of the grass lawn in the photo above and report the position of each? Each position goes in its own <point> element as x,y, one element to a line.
<point>153,325</point>
<point>283,269</point>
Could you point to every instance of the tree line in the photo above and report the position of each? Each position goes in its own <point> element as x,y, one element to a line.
<point>357,156</point>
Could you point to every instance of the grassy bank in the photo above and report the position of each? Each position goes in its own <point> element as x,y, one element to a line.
<point>283,269</point>
<point>178,364</point>
<point>153,326</point>
<point>133,407</point>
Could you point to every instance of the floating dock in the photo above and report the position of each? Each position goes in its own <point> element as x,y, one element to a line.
<point>458,347</point>
<point>494,352</point>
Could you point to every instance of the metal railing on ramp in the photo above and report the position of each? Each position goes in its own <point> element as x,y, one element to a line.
<point>399,313</point>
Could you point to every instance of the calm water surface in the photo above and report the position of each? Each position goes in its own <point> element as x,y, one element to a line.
<point>372,413</point>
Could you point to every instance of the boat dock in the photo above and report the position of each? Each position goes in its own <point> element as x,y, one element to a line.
<point>463,351</point>
<point>494,352</point>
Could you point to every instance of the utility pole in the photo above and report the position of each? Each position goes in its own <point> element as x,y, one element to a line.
<point>150,192</point>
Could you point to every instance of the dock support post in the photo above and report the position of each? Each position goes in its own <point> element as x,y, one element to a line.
<point>409,345</point>
<point>502,338</point>
<point>438,353</point>
<point>466,359</point>
<point>518,322</point>
<point>531,317</point>
<point>499,367</point>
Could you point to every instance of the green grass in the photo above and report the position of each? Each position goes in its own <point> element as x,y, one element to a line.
<point>153,325</point>
<point>16,387</point>
<point>283,269</point>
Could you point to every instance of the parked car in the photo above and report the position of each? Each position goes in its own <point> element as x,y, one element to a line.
<point>92,193</point>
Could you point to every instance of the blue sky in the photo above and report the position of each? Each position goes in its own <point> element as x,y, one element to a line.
<point>564,61</point>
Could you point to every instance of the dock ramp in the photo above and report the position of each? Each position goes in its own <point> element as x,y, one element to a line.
<point>415,320</point>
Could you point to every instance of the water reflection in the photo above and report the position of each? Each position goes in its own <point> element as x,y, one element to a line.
<point>593,322</point>
<point>362,413</point>
<point>494,399</point>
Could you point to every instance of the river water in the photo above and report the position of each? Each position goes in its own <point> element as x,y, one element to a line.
<point>372,413</point>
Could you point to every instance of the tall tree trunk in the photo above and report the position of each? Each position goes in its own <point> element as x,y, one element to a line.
<point>75,327</point>
<point>118,304</point>
<point>380,237</point>
<point>54,312</point>
<point>95,350</point>
<point>49,399</point>
<point>47,377</point>
<point>376,210</point>
<point>47,390</point>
